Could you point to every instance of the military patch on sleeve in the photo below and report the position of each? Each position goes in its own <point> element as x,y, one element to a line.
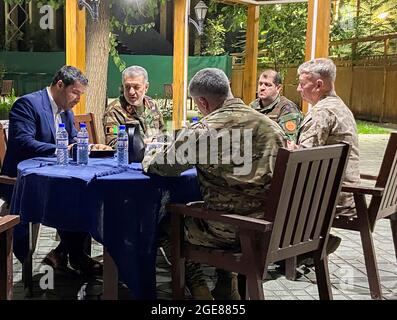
<point>290,126</point>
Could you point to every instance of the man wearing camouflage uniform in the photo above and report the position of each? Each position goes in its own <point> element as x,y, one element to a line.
<point>225,185</point>
<point>271,103</point>
<point>329,121</point>
<point>133,107</point>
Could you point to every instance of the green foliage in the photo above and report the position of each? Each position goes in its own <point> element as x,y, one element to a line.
<point>214,36</point>
<point>282,31</point>
<point>127,23</point>
<point>374,17</point>
<point>6,104</point>
<point>364,127</point>
<point>283,35</point>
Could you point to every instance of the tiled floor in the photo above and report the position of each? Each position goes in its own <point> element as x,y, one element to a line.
<point>347,269</point>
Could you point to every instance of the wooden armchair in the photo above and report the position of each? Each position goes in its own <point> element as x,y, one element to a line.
<point>297,220</point>
<point>3,148</point>
<point>383,204</point>
<point>7,224</point>
<point>6,88</point>
<point>89,120</point>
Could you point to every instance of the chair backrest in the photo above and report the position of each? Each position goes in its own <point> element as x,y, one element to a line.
<point>3,143</point>
<point>304,191</point>
<point>89,120</point>
<point>387,179</point>
<point>6,87</point>
<point>168,90</point>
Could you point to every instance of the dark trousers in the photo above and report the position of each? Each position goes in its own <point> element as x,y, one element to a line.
<point>72,243</point>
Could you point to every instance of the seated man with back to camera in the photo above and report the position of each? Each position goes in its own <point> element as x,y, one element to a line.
<point>329,121</point>
<point>134,107</point>
<point>235,186</point>
<point>271,103</point>
<point>34,120</point>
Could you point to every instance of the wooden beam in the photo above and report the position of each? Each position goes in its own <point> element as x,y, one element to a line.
<point>317,32</point>
<point>179,62</point>
<point>163,19</point>
<point>75,43</point>
<point>251,54</point>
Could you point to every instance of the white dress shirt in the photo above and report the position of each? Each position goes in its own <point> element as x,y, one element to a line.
<point>55,110</point>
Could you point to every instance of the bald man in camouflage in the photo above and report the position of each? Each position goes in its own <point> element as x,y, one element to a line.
<point>236,186</point>
<point>271,103</point>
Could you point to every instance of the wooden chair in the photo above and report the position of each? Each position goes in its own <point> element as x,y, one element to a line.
<point>297,220</point>
<point>383,204</point>
<point>7,224</point>
<point>89,120</point>
<point>6,88</point>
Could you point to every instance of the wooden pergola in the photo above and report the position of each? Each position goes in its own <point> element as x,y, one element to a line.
<point>317,44</point>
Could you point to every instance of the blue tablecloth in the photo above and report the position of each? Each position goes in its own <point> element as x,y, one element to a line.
<point>119,207</point>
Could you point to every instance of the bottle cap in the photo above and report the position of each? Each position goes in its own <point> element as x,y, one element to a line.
<point>122,127</point>
<point>195,119</point>
<point>83,125</point>
<point>61,125</point>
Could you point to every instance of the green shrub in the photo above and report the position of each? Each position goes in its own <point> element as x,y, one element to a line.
<point>6,104</point>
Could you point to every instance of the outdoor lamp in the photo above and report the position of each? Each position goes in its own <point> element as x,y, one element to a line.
<point>92,7</point>
<point>200,10</point>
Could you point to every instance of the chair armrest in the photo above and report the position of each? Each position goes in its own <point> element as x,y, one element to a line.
<point>368,177</point>
<point>363,190</point>
<point>7,180</point>
<point>221,216</point>
<point>7,222</point>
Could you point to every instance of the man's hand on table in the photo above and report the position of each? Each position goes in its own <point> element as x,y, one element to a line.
<point>100,147</point>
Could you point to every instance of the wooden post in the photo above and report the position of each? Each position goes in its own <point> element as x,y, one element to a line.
<point>75,43</point>
<point>163,19</point>
<point>251,54</point>
<point>179,63</point>
<point>317,32</point>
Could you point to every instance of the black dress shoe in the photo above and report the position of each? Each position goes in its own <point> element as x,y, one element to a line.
<point>86,265</point>
<point>57,260</point>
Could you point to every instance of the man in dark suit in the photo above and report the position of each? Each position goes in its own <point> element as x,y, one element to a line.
<point>33,121</point>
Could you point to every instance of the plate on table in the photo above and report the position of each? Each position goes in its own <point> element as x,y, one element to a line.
<point>102,153</point>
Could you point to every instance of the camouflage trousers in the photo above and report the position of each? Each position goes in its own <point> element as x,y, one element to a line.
<point>198,232</point>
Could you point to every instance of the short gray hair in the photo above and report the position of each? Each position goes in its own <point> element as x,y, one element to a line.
<point>210,82</point>
<point>135,71</point>
<point>323,67</point>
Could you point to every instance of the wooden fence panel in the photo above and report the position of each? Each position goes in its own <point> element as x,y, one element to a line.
<point>343,83</point>
<point>390,109</point>
<point>366,100</point>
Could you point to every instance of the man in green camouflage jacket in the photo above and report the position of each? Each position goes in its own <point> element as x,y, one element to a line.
<point>228,180</point>
<point>133,107</point>
<point>271,103</point>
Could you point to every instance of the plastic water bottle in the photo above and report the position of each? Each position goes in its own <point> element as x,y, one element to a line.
<point>62,142</point>
<point>122,146</point>
<point>195,120</point>
<point>82,145</point>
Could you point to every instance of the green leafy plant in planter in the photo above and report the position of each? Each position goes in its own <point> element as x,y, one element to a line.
<point>6,104</point>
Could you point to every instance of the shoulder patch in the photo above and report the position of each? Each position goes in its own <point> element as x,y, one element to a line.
<point>290,125</point>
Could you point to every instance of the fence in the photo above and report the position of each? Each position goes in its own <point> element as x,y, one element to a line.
<point>367,86</point>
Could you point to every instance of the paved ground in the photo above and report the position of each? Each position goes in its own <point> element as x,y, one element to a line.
<point>347,269</point>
